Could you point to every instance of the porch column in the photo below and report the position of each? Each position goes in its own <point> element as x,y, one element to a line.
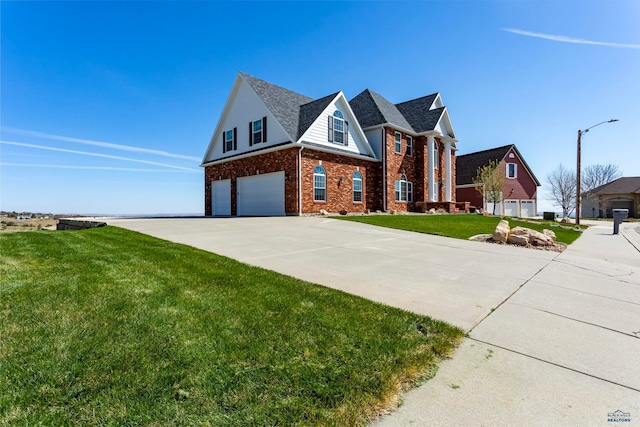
<point>447,172</point>
<point>430,174</point>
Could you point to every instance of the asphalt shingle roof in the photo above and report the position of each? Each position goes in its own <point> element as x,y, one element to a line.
<point>283,103</point>
<point>373,109</point>
<point>419,114</point>
<point>468,164</point>
<point>625,185</point>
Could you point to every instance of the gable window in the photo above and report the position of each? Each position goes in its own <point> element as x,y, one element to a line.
<point>338,129</point>
<point>258,131</point>
<point>319,184</point>
<point>357,187</point>
<point>404,190</point>
<point>409,146</point>
<point>398,142</point>
<point>512,170</point>
<point>230,140</point>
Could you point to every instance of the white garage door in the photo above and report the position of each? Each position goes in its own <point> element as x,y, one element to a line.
<point>221,197</point>
<point>526,208</point>
<point>510,208</point>
<point>261,195</point>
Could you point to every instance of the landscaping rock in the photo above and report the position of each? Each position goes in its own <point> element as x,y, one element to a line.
<point>516,239</point>
<point>536,238</point>
<point>549,233</point>
<point>324,212</point>
<point>501,233</point>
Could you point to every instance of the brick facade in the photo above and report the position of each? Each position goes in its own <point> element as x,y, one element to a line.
<point>281,160</point>
<point>416,168</point>
<point>339,171</point>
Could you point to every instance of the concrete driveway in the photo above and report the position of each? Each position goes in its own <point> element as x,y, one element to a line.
<point>553,338</point>
<point>449,279</point>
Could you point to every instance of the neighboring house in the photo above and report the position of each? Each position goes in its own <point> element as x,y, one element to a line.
<point>519,193</point>
<point>623,193</point>
<point>277,152</point>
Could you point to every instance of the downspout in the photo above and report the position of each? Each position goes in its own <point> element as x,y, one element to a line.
<point>384,170</point>
<point>300,181</point>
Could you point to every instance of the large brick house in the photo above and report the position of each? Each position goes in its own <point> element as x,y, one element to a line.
<point>519,192</point>
<point>277,152</point>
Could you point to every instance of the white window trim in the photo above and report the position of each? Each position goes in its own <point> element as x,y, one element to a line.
<point>324,175</point>
<point>254,132</point>
<point>397,143</point>
<point>226,142</point>
<point>515,171</point>
<point>409,145</point>
<point>436,155</point>
<point>357,176</point>
<point>407,191</point>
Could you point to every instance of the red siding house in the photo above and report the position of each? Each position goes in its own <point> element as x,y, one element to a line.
<point>519,193</point>
<point>277,152</point>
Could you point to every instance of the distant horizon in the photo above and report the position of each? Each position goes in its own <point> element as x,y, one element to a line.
<point>110,106</point>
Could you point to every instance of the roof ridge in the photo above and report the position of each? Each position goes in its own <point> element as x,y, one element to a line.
<point>488,149</point>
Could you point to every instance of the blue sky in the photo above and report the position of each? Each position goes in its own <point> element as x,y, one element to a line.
<point>108,107</point>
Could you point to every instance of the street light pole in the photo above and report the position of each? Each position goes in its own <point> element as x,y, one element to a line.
<point>580,133</point>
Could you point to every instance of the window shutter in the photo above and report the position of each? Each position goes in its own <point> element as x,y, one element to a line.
<point>330,129</point>
<point>264,129</point>
<point>346,133</point>
<point>224,142</point>
<point>250,134</point>
<point>235,138</point>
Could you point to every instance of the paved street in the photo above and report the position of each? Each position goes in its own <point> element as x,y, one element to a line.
<point>553,338</point>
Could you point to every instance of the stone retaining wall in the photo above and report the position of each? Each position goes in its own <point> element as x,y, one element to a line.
<point>76,224</point>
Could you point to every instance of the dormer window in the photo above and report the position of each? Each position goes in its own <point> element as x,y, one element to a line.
<point>338,129</point>
<point>258,131</point>
<point>230,140</point>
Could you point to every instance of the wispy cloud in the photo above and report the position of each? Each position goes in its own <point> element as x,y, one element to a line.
<point>106,168</point>
<point>106,156</point>
<point>96,143</point>
<point>565,39</point>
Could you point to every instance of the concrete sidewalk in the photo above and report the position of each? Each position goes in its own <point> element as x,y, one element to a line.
<point>562,350</point>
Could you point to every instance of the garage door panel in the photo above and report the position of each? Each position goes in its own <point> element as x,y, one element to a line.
<point>527,208</point>
<point>221,197</point>
<point>511,208</point>
<point>261,195</point>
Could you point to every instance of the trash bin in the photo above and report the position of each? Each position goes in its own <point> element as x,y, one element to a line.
<point>618,216</point>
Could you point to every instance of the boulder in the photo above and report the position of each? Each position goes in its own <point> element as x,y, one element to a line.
<point>537,238</point>
<point>520,231</point>
<point>324,212</point>
<point>549,233</point>
<point>501,233</point>
<point>516,239</point>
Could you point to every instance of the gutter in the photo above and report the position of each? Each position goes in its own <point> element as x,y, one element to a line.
<point>300,181</point>
<point>250,154</point>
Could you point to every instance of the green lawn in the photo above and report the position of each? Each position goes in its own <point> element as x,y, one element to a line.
<point>458,226</point>
<point>112,327</point>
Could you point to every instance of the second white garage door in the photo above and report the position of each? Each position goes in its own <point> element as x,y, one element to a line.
<point>511,208</point>
<point>526,208</point>
<point>261,195</point>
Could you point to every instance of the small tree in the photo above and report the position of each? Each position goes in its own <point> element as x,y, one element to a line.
<point>489,182</point>
<point>562,189</point>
